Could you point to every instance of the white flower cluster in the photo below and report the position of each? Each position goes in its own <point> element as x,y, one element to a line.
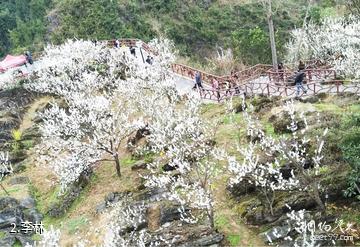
<point>178,133</point>
<point>5,168</point>
<point>293,152</point>
<point>108,95</point>
<point>335,41</point>
<point>49,238</point>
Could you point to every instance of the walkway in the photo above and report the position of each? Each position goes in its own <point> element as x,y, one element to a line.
<point>251,81</point>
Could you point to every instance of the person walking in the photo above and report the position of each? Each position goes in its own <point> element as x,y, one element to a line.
<point>198,82</point>
<point>117,43</point>
<point>215,86</point>
<point>299,79</point>
<point>28,57</point>
<point>133,51</point>
<point>301,65</point>
<point>148,60</point>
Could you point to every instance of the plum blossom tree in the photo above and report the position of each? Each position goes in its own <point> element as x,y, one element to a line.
<point>108,95</point>
<point>81,136</point>
<point>185,144</point>
<point>126,220</point>
<point>293,151</point>
<point>334,41</point>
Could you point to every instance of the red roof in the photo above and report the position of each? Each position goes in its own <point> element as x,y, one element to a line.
<point>11,62</point>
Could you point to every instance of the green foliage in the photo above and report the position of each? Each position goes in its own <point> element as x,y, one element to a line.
<point>16,145</point>
<point>234,240</point>
<point>93,19</point>
<point>350,147</point>
<point>221,221</point>
<point>22,25</point>
<point>252,45</point>
<point>16,135</point>
<point>74,225</point>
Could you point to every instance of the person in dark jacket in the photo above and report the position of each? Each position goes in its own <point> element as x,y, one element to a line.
<point>299,79</point>
<point>301,65</point>
<point>148,60</point>
<point>29,57</point>
<point>198,82</point>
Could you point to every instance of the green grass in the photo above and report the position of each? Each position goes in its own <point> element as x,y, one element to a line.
<point>221,221</point>
<point>354,108</point>
<point>128,161</point>
<point>10,191</point>
<point>234,119</point>
<point>329,108</point>
<point>2,235</point>
<point>234,240</point>
<point>17,244</point>
<point>74,225</point>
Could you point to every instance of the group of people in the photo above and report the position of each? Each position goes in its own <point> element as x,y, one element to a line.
<point>231,82</point>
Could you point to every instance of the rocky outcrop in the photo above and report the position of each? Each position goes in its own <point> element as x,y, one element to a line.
<point>13,105</point>
<point>12,214</point>
<point>64,203</point>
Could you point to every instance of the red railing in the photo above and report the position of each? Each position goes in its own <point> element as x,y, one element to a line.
<point>266,89</point>
<point>242,79</point>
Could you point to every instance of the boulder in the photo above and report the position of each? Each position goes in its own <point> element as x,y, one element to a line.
<point>10,216</point>
<point>169,214</point>
<point>100,208</point>
<point>139,165</point>
<point>8,202</point>
<point>27,203</point>
<point>8,240</point>
<point>276,233</point>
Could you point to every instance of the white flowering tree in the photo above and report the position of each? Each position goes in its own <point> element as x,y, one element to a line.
<point>5,168</point>
<point>125,223</point>
<point>85,134</point>
<point>108,95</point>
<point>185,144</point>
<point>268,178</point>
<point>334,41</point>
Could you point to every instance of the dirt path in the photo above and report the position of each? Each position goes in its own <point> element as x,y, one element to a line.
<point>31,112</point>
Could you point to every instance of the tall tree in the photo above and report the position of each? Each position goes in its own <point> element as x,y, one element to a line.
<point>269,15</point>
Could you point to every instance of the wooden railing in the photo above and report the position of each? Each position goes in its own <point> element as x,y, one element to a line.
<point>244,83</point>
<point>266,89</point>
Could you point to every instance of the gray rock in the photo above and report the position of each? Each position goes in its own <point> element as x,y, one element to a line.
<point>34,216</point>
<point>18,180</point>
<point>139,165</point>
<point>100,208</point>
<point>28,203</point>
<point>10,216</point>
<point>8,202</point>
<point>7,241</point>
<point>24,239</point>
<point>168,214</point>
<point>276,233</point>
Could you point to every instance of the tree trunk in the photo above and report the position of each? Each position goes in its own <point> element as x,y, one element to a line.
<point>117,165</point>
<point>272,36</point>
<point>210,213</point>
<point>316,196</point>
